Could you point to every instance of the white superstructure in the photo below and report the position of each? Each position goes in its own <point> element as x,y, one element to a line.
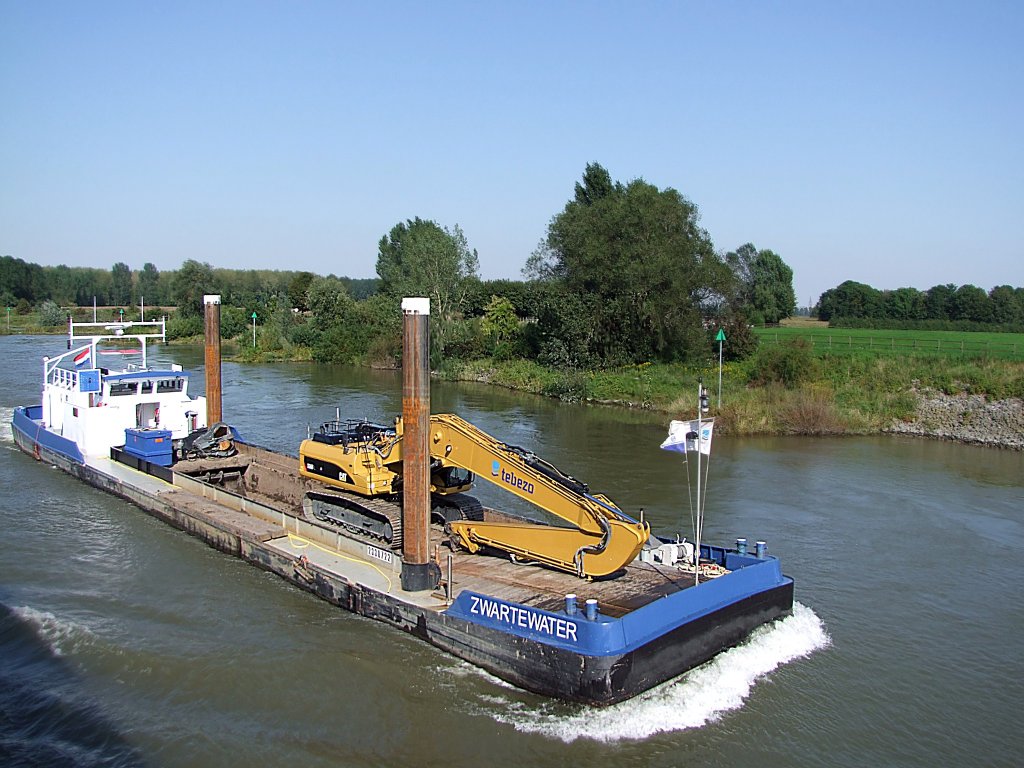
<point>92,405</point>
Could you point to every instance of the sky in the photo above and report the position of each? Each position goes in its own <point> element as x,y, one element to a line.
<point>872,141</point>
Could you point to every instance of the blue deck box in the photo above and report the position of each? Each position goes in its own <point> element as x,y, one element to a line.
<point>153,445</point>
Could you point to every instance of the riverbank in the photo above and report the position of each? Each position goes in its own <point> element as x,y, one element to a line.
<point>977,401</point>
<point>966,418</point>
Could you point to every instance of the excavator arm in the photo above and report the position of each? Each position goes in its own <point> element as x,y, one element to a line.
<point>599,540</point>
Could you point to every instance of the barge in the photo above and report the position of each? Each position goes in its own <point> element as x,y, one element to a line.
<point>474,582</point>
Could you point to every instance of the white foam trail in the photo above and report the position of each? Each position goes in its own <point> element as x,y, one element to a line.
<point>699,697</point>
<point>6,430</point>
<point>58,634</point>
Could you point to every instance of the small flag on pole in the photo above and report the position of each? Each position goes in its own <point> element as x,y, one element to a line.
<point>82,358</point>
<point>683,437</point>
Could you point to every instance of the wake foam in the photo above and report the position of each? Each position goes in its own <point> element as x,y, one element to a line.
<point>58,634</point>
<point>692,700</point>
<point>6,430</point>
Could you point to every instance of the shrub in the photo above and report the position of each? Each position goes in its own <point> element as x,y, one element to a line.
<point>740,340</point>
<point>568,385</point>
<point>234,321</point>
<point>787,364</point>
<point>184,327</point>
<point>810,411</point>
<point>50,314</point>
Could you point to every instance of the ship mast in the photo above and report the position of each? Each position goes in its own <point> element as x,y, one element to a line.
<point>702,408</point>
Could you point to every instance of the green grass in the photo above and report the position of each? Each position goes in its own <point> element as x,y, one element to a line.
<point>843,393</point>
<point>839,340</point>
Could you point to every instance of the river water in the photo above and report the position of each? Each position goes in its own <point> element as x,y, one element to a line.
<point>124,642</point>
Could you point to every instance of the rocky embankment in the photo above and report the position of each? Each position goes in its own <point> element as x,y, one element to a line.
<point>967,418</point>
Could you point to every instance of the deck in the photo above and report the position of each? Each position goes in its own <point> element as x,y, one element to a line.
<point>271,479</point>
<point>540,587</point>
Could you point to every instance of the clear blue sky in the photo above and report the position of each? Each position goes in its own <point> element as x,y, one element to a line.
<point>873,141</point>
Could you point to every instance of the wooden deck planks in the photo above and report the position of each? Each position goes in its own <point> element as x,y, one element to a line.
<point>545,588</point>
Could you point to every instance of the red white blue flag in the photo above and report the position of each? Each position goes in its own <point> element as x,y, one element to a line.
<point>82,358</point>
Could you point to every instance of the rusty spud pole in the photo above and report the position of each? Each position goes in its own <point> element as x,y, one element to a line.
<point>418,572</point>
<point>211,330</point>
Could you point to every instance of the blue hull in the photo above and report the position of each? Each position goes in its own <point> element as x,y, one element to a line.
<point>610,659</point>
<point>33,438</point>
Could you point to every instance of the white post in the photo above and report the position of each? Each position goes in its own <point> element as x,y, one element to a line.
<point>142,308</point>
<point>720,375</point>
<point>700,511</point>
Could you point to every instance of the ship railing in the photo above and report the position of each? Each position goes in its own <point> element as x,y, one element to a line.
<point>62,377</point>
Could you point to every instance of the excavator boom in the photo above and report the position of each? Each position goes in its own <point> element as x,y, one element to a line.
<point>601,540</point>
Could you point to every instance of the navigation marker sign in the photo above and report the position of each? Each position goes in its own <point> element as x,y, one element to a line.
<point>720,338</point>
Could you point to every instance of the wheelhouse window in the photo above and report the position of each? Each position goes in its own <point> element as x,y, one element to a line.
<point>169,385</point>
<point>118,388</point>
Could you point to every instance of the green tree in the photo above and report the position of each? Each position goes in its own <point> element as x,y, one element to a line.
<point>971,303</point>
<point>643,263</point>
<point>903,304</point>
<point>500,326</point>
<point>563,335</point>
<point>850,299</point>
<point>361,288</point>
<point>328,301</point>
<point>63,285</point>
<point>420,258</point>
<point>773,295</point>
<point>193,281</point>
<point>22,280</point>
<point>938,302</point>
<point>149,284</point>
<point>741,262</point>
<point>499,320</point>
<point>1006,305</point>
<point>121,284</point>
<point>297,290</point>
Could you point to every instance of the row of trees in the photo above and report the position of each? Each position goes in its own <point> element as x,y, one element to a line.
<point>625,275</point>
<point>28,285</point>
<point>1002,306</point>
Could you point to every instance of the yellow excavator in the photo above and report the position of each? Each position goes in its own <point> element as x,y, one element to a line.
<point>362,464</point>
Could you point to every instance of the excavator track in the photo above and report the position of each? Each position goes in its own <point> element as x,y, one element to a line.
<point>457,506</point>
<point>366,517</point>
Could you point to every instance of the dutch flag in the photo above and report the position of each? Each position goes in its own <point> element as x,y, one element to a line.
<point>82,358</point>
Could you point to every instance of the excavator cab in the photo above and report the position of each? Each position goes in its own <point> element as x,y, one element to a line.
<point>448,480</point>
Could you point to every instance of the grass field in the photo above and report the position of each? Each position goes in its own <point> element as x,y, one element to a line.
<point>822,339</point>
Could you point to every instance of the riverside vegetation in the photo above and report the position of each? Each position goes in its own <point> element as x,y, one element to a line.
<point>621,304</point>
<point>789,387</point>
